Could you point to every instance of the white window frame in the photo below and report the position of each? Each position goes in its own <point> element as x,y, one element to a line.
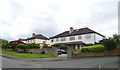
<point>71,38</point>
<point>79,37</point>
<point>88,36</point>
<point>63,39</point>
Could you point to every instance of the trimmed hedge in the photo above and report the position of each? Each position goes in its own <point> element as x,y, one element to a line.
<point>34,46</point>
<point>93,48</point>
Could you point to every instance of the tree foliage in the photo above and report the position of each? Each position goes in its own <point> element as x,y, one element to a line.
<point>110,43</point>
<point>116,38</point>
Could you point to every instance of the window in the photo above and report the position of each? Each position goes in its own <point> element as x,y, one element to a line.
<point>88,36</point>
<point>63,39</point>
<point>72,38</point>
<point>79,37</point>
<point>44,42</point>
<point>57,39</point>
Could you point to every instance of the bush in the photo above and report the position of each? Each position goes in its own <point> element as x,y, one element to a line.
<point>50,47</point>
<point>63,47</point>
<point>43,52</point>
<point>93,48</point>
<point>23,47</point>
<point>5,45</point>
<point>34,46</point>
<point>76,50</point>
<point>109,43</point>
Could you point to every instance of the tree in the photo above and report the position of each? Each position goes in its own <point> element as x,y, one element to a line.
<point>3,41</point>
<point>116,38</point>
<point>109,43</point>
<point>24,47</point>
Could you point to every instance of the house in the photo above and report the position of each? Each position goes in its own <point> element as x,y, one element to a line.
<point>16,42</point>
<point>77,37</point>
<point>38,39</point>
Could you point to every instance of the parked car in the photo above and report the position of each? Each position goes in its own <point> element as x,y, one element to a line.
<point>61,51</point>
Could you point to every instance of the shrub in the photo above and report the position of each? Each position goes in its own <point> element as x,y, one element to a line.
<point>50,47</point>
<point>5,45</point>
<point>76,50</point>
<point>34,46</point>
<point>109,43</point>
<point>43,52</point>
<point>23,47</point>
<point>63,47</point>
<point>93,48</point>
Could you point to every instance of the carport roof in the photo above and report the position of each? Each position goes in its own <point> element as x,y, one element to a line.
<point>69,43</point>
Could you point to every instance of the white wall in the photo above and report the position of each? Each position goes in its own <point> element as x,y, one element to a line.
<point>94,38</point>
<point>38,41</point>
<point>83,39</point>
<point>98,38</point>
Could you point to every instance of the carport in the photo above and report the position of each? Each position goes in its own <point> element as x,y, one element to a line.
<point>70,46</point>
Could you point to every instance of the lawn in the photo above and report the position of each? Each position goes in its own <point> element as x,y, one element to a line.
<point>27,55</point>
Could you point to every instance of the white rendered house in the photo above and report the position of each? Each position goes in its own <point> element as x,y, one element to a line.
<point>38,39</point>
<point>77,37</point>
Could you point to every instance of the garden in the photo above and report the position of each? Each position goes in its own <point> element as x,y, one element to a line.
<point>107,44</point>
<point>22,50</point>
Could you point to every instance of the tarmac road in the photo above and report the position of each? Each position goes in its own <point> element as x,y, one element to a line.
<point>90,62</point>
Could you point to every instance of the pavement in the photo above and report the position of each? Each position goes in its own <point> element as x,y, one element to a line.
<point>110,65</point>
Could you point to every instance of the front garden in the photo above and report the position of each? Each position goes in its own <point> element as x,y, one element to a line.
<point>27,55</point>
<point>106,47</point>
<point>24,50</point>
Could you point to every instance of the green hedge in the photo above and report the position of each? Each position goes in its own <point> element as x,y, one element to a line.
<point>93,48</point>
<point>34,46</point>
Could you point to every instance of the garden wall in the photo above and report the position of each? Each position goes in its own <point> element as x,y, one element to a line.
<point>90,54</point>
<point>48,51</point>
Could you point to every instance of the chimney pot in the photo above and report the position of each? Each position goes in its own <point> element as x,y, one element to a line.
<point>71,29</point>
<point>33,34</point>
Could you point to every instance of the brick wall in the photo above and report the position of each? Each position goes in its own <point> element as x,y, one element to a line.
<point>105,53</point>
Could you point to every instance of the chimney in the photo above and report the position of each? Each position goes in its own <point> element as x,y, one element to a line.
<point>71,29</point>
<point>33,34</point>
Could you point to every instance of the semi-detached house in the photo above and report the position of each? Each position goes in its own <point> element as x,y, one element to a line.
<point>77,37</point>
<point>38,39</point>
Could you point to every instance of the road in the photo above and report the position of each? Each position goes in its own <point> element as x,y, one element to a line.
<point>91,62</point>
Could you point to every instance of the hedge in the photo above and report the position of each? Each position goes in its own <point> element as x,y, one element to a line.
<point>93,48</point>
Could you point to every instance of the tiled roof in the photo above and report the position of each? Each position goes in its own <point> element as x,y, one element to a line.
<point>39,36</point>
<point>76,32</point>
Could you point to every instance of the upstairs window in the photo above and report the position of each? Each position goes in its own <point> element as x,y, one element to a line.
<point>72,38</point>
<point>57,39</point>
<point>79,37</point>
<point>63,39</point>
<point>88,36</point>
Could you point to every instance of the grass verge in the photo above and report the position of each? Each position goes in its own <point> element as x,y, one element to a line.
<point>27,55</point>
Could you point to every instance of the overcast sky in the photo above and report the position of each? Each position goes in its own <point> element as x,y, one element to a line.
<point>21,18</point>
